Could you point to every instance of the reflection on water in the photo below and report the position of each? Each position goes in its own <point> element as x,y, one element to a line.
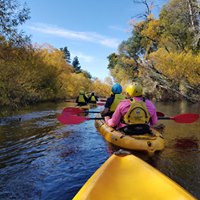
<point>42,159</point>
<point>190,143</point>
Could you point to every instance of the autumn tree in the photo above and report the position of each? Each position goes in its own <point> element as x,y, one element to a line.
<point>178,66</point>
<point>168,43</point>
<point>31,74</point>
<point>86,74</point>
<point>101,89</point>
<point>145,34</point>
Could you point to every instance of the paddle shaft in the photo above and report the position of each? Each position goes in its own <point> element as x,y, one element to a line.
<point>99,118</point>
<point>91,111</point>
<point>72,118</point>
<point>165,118</point>
<point>182,118</point>
<point>159,114</point>
<point>75,110</point>
<point>94,118</point>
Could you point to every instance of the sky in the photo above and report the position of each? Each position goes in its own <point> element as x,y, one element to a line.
<point>90,29</point>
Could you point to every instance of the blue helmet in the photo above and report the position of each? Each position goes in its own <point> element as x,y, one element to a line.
<point>117,88</point>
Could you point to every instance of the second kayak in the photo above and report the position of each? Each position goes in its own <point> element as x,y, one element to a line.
<point>85,107</point>
<point>148,143</point>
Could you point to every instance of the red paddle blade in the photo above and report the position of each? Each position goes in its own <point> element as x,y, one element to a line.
<point>103,100</point>
<point>186,118</point>
<point>100,103</point>
<point>72,111</point>
<point>71,119</point>
<point>160,114</point>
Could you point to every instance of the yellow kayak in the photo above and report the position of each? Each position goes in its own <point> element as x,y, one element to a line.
<point>86,107</point>
<point>127,177</point>
<point>73,104</point>
<point>92,105</point>
<point>148,143</point>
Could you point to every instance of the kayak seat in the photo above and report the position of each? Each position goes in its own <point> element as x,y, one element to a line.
<point>137,129</point>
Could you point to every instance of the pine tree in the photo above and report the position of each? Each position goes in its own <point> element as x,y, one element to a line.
<point>66,54</point>
<point>76,65</point>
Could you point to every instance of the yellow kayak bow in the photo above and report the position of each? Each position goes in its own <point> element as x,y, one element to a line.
<point>127,177</point>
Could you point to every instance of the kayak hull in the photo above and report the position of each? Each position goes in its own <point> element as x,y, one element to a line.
<point>148,143</point>
<point>86,107</point>
<point>73,104</point>
<point>127,177</point>
<point>93,105</point>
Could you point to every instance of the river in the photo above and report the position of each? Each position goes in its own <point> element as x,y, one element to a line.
<point>42,159</point>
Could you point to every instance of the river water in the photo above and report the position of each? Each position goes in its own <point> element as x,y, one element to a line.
<point>42,159</point>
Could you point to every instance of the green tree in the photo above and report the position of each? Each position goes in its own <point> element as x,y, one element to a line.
<point>66,54</point>
<point>180,20</point>
<point>76,65</point>
<point>112,58</point>
<point>134,47</point>
<point>122,67</point>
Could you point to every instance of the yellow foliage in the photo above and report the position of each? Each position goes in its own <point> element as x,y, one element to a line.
<point>178,66</point>
<point>122,75</point>
<point>150,16</point>
<point>152,30</point>
<point>101,89</point>
<point>30,75</point>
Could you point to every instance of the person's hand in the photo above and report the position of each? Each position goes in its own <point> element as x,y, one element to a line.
<point>106,118</point>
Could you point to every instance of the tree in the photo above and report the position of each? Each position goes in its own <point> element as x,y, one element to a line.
<point>76,65</point>
<point>11,16</point>
<point>178,66</point>
<point>180,20</point>
<point>144,38</point>
<point>66,54</point>
<point>194,14</point>
<point>122,67</point>
<point>149,4</point>
<point>86,74</point>
<point>113,59</point>
<point>108,80</point>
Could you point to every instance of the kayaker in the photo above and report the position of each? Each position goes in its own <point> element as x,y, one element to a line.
<point>81,100</point>
<point>93,98</point>
<point>135,114</point>
<point>113,100</point>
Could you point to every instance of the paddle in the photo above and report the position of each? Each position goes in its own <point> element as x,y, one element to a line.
<point>160,114</point>
<point>103,100</point>
<point>100,103</point>
<point>76,111</point>
<point>74,119</point>
<point>183,118</point>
